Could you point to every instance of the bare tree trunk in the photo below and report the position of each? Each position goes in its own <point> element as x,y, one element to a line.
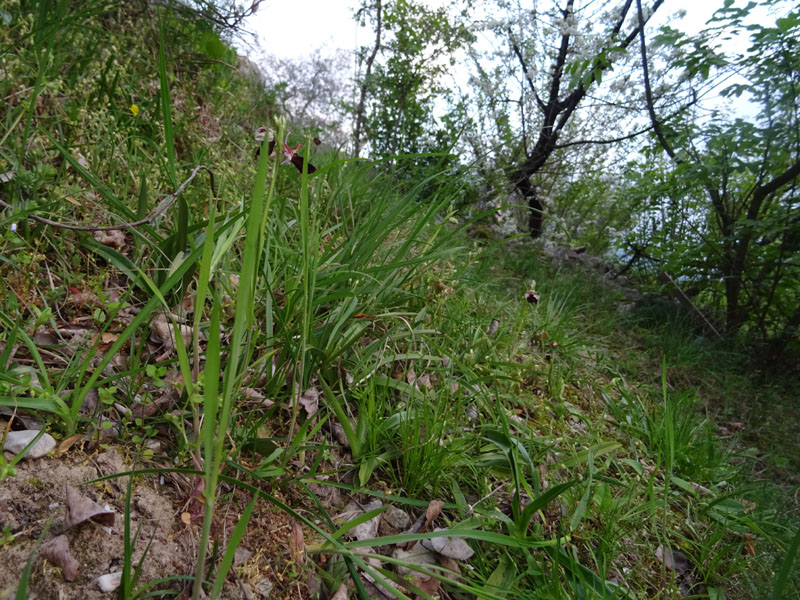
<point>367,72</point>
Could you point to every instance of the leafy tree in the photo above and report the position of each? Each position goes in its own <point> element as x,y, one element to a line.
<point>742,175</point>
<point>400,83</point>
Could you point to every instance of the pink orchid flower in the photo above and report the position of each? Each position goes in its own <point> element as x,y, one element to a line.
<point>289,153</point>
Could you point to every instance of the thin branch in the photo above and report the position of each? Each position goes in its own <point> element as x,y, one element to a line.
<point>648,92</point>
<point>162,207</point>
<point>368,71</point>
<point>603,142</point>
<point>692,304</point>
<point>525,70</point>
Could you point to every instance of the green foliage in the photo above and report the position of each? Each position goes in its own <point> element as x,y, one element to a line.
<point>405,83</point>
<point>723,220</point>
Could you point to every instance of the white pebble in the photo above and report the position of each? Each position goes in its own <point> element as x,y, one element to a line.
<point>109,582</point>
<point>17,440</point>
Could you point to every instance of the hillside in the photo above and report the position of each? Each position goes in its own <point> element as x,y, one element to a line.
<point>259,379</point>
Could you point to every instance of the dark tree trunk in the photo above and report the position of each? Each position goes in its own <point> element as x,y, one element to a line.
<point>365,82</point>
<point>526,188</point>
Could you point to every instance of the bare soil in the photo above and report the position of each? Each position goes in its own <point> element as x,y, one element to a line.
<point>37,495</point>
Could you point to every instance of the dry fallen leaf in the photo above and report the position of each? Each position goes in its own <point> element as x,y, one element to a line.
<point>455,548</point>
<point>340,435</point>
<point>493,327</point>
<point>422,524</point>
<point>424,382</point>
<point>57,553</point>
<point>162,331</point>
<point>90,402</point>
<point>297,544</point>
<point>156,406</point>
<point>748,506</point>
<point>429,585</point>
<point>114,238</point>
<point>253,394</point>
<point>309,400</point>
<point>186,518</point>
<point>187,304</point>
<point>673,560</point>
<point>444,288</point>
<point>434,508</point>
<point>7,176</point>
<point>451,565</point>
<point>749,548</point>
<point>397,371</point>
<point>83,299</point>
<point>80,509</point>
<point>69,442</point>
<point>109,338</point>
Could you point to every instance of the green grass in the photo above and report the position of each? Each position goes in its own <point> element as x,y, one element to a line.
<point>568,445</point>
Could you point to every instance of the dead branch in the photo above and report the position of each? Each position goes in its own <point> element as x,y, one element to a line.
<point>162,207</point>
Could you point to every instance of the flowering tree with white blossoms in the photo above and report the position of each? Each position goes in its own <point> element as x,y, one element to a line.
<point>548,59</point>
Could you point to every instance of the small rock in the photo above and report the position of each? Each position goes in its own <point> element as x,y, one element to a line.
<point>455,548</point>
<point>368,529</point>
<point>264,588</point>
<point>109,582</point>
<point>17,440</point>
<point>241,556</point>
<point>396,519</point>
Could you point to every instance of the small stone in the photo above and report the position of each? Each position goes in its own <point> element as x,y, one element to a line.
<point>397,519</point>
<point>109,582</point>
<point>455,548</point>
<point>368,529</point>
<point>264,588</point>
<point>17,440</point>
<point>241,556</point>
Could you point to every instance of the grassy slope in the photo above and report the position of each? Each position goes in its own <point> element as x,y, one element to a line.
<point>353,291</point>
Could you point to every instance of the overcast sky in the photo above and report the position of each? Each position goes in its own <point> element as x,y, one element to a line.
<point>292,29</point>
<point>289,29</point>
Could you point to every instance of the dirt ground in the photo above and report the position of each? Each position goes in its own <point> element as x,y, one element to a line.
<point>159,504</point>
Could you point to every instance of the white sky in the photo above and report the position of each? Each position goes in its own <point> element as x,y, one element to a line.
<point>291,29</point>
<point>288,29</point>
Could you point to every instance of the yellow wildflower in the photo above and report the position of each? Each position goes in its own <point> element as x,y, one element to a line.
<point>135,110</point>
